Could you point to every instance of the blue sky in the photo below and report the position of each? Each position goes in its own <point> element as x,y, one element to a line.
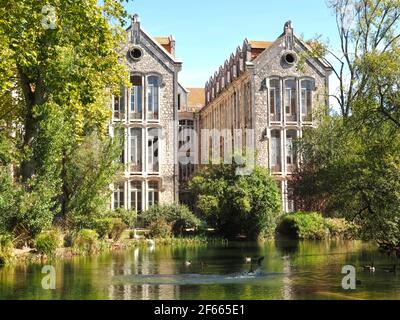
<point>208,31</point>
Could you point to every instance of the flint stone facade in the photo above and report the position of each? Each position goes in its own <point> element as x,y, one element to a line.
<point>273,88</point>
<point>154,70</point>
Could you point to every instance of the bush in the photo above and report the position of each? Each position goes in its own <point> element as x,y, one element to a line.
<point>303,225</point>
<point>104,227</point>
<point>127,216</point>
<point>47,242</point>
<point>236,204</point>
<point>312,225</point>
<point>341,228</point>
<point>177,216</point>
<point>6,249</point>
<point>86,242</point>
<point>160,228</point>
<point>117,229</point>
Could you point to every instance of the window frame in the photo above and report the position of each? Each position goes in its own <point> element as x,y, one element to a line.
<point>157,95</point>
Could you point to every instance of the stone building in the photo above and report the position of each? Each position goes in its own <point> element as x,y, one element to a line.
<point>146,113</point>
<point>272,90</point>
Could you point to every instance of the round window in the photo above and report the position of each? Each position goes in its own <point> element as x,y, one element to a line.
<point>136,53</point>
<point>290,58</point>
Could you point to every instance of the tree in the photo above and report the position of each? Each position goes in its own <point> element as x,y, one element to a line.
<point>235,204</point>
<point>350,163</point>
<point>59,65</point>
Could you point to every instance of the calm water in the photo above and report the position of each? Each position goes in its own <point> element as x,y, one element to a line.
<point>290,270</point>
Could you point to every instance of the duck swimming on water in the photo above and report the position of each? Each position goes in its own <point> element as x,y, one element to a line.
<point>369,268</point>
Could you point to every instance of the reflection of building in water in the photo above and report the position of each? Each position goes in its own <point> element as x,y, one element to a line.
<point>287,286</point>
<point>140,265</point>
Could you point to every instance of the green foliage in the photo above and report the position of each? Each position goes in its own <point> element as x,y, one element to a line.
<point>89,170</point>
<point>56,84</point>
<point>127,216</point>
<point>160,228</point>
<point>104,227</point>
<point>312,225</point>
<point>6,249</point>
<point>341,228</point>
<point>303,225</point>
<point>177,216</point>
<point>117,229</point>
<point>237,204</point>
<point>86,242</point>
<point>47,242</point>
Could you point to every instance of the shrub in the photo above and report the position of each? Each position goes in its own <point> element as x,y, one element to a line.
<point>160,228</point>
<point>86,242</point>
<point>47,242</point>
<point>236,202</point>
<point>127,216</point>
<point>117,229</point>
<point>177,216</point>
<point>341,228</point>
<point>303,225</point>
<point>104,227</point>
<point>6,249</point>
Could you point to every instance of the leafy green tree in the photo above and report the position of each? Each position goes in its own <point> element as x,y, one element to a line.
<point>350,163</point>
<point>236,204</point>
<point>59,65</point>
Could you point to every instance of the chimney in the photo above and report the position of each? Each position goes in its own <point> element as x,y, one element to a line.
<point>172,40</point>
<point>135,29</point>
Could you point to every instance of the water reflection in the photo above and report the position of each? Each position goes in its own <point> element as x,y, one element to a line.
<point>290,270</point>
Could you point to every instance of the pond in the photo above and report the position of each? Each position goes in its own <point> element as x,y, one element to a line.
<point>290,270</point>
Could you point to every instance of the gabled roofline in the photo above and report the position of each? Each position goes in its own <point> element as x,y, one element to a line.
<point>158,45</point>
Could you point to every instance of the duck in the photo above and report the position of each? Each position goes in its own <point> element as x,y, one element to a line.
<point>370,267</point>
<point>249,259</point>
<point>390,270</point>
<point>188,263</point>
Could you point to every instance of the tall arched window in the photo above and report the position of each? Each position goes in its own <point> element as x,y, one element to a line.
<point>136,105</point>
<point>153,193</point>
<point>119,196</point>
<point>275,100</point>
<point>291,158</point>
<point>136,195</point>
<point>153,136</point>
<point>290,100</point>
<point>153,91</point>
<point>119,105</point>
<point>136,150</point>
<point>307,87</point>
<point>276,151</point>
